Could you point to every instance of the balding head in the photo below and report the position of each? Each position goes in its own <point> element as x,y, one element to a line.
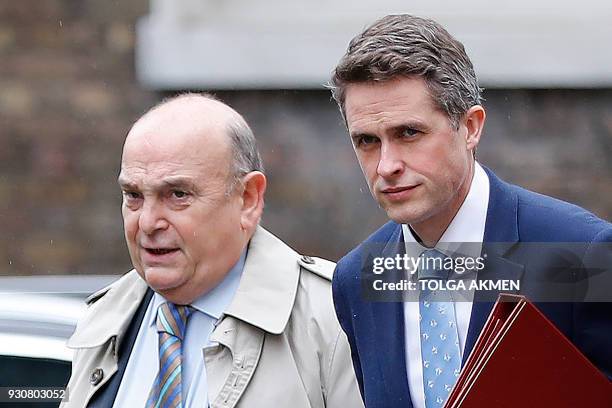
<point>195,111</point>
<point>186,223</point>
<point>202,115</point>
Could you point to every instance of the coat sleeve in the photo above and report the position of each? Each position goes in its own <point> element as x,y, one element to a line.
<point>340,367</point>
<point>341,385</point>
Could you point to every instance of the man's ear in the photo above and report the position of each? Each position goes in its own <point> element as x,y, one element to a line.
<point>254,188</point>
<point>474,120</point>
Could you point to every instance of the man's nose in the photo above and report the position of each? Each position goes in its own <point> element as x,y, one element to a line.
<point>390,162</point>
<point>152,217</point>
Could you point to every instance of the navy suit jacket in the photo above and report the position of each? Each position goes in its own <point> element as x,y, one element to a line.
<point>375,330</point>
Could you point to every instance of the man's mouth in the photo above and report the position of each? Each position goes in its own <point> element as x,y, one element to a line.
<point>391,190</point>
<point>398,194</point>
<point>160,251</point>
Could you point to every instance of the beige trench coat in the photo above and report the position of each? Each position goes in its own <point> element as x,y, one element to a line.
<point>279,343</point>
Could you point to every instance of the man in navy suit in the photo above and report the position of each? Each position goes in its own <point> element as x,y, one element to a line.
<point>412,106</point>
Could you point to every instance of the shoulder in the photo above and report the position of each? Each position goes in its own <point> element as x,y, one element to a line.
<point>378,238</point>
<point>123,285</point>
<point>349,266</point>
<point>109,310</point>
<point>98,334</point>
<point>318,266</point>
<point>313,300</point>
<point>314,285</point>
<point>544,218</point>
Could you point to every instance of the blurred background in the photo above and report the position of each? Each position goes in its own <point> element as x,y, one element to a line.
<point>75,74</point>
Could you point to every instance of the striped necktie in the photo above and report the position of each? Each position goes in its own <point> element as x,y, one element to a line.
<point>171,325</point>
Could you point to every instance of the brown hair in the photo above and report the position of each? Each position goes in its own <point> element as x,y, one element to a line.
<point>405,45</point>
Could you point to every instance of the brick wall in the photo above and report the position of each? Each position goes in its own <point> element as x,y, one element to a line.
<point>68,94</point>
<point>67,97</point>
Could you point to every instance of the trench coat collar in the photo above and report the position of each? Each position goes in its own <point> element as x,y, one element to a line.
<point>264,298</point>
<point>268,285</point>
<point>118,302</point>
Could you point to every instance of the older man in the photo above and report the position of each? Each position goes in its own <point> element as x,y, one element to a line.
<point>218,312</point>
<point>411,102</point>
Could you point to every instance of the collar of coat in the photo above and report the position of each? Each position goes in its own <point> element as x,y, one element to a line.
<point>264,298</point>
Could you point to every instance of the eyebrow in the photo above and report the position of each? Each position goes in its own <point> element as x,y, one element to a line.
<point>409,124</point>
<point>168,182</point>
<point>179,182</point>
<point>124,183</point>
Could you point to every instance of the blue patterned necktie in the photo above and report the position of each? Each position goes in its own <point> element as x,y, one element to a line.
<point>440,352</point>
<point>171,324</point>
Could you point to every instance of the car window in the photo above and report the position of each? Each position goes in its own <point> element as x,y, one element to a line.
<point>33,372</point>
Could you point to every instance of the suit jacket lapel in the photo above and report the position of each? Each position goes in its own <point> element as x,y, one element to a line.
<point>388,320</point>
<point>501,234</point>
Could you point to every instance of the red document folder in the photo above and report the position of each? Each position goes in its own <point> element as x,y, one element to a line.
<point>522,360</point>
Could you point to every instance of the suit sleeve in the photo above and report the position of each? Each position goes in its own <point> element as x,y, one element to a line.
<point>593,317</point>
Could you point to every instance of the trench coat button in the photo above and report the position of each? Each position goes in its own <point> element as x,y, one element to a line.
<point>307,259</point>
<point>96,376</point>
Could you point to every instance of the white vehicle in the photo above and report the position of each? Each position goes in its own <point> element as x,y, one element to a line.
<point>37,315</point>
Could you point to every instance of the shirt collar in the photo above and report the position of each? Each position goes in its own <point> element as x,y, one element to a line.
<point>468,225</point>
<point>214,302</point>
<point>267,286</point>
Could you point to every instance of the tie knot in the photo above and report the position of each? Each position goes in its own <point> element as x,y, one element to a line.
<point>172,319</point>
<point>432,265</point>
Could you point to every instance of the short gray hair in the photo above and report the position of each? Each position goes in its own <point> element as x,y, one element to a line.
<point>408,46</point>
<point>245,155</point>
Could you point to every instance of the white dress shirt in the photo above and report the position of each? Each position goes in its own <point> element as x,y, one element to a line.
<point>143,364</point>
<point>467,226</point>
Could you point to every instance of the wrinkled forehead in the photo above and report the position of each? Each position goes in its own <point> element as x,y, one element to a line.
<point>151,163</point>
<point>176,136</point>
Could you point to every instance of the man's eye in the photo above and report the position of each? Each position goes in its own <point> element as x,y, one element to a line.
<point>366,140</point>
<point>131,195</point>
<point>409,132</point>
<point>179,194</point>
